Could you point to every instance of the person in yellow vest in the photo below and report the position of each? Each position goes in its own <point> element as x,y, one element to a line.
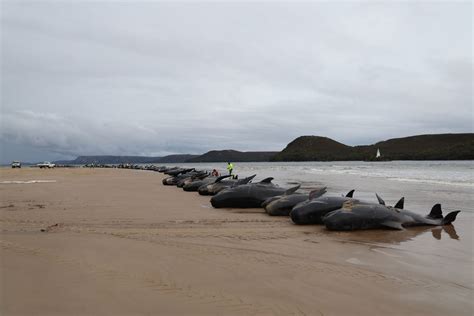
<point>230,167</point>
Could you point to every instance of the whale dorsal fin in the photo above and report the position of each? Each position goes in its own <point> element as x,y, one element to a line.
<point>292,190</point>
<point>221,178</point>
<point>350,193</point>
<point>436,212</point>
<point>267,180</point>
<point>381,201</point>
<point>400,204</point>
<point>316,193</point>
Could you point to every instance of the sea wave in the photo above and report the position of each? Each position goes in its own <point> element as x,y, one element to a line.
<point>430,181</point>
<point>435,176</point>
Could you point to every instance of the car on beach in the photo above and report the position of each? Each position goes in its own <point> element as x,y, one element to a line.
<point>16,164</point>
<point>46,164</point>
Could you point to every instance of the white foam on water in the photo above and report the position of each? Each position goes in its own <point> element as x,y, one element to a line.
<point>429,181</point>
<point>26,181</point>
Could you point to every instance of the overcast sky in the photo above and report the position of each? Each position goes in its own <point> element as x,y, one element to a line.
<point>154,78</point>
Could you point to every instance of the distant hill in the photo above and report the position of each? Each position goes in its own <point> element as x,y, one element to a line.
<point>234,156</point>
<point>83,160</point>
<point>318,148</point>
<point>421,147</point>
<point>313,148</point>
<point>425,147</point>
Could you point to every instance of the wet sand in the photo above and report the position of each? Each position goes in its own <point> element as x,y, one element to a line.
<point>118,242</point>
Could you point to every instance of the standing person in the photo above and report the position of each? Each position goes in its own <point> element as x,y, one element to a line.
<point>230,167</point>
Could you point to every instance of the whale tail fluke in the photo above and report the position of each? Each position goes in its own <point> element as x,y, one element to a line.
<point>451,217</point>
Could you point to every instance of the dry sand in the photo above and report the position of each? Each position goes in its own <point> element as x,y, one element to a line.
<point>124,244</point>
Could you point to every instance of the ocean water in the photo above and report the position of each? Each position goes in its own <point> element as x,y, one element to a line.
<point>422,183</point>
<point>451,173</point>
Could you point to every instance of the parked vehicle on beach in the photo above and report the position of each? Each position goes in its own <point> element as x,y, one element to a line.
<point>46,164</point>
<point>16,164</point>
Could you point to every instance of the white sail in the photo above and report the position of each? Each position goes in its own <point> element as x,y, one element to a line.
<point>378,153</point>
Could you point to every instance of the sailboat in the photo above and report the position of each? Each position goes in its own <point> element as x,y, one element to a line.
<point>378,157</point>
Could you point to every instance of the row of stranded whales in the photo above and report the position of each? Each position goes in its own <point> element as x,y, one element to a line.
<point>314,209</point>
<point>181,178</point>
<point>222,183</point>
<point>248,195</point>
<point>336,213</point>
<point>193,186</point>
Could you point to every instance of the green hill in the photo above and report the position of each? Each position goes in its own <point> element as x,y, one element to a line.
<point>421,147</point>
<point>313,148</point>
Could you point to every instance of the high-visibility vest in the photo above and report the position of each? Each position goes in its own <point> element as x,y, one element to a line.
<point>230,166</point>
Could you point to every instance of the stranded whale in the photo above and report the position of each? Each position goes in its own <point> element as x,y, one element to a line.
<point>354,216</point>
<point>221,184</point>
<point>248,195</point>
<point>194,185</point>
<point>282,205</point>
<point>312,210</point>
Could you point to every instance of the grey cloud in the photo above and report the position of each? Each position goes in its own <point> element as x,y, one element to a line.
<point>159,77</point>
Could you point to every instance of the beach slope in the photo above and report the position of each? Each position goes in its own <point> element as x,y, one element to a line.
<point>110,241</point>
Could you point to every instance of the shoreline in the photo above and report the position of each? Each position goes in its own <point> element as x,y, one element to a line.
<point>126,244</point>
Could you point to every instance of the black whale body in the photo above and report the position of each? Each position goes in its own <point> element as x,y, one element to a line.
<point>191,176</point>
<point>194,185</point>
<point>354,216</point>
<point>312,211</point>
<point>184,174</point>
<point>177,171</point>
<point>250,195</point>
<point>283,204</point>
<point>221,184</point>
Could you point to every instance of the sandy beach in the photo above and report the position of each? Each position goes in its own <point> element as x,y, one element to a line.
<point>118,242</point>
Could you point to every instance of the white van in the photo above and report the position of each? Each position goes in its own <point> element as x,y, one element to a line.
<point>46,164</point>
